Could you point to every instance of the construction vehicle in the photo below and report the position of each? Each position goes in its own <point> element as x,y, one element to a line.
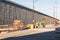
<point>39,25</point>
<point>36,25</point>
<point>30,26</point>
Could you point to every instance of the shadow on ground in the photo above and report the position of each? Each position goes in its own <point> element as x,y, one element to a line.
<point>39,36</point>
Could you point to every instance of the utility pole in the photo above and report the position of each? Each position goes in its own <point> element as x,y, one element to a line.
<point>33,12</point>
<point>34,1</point>
<point>34,8</point>
<point>33,4</point>
<point>55,9</point>
<point>55,12</point>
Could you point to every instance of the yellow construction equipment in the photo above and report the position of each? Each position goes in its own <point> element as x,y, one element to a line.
<point>30,26</point>
<point>39,25</point>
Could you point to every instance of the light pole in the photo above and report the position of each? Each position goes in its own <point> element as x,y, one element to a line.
<point>55,12</point>
<point>33,4</point>
<point>34,1</point>
<point>33,11</point>
<point>55,9</point>
<point>34,8</point>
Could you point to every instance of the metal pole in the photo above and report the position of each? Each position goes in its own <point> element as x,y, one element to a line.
<point>33,4</point>
<point>33,11</point>
<point>55,12</point>
<point>56,8</point>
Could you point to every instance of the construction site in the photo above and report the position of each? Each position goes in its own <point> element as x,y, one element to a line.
<point>18,20</point>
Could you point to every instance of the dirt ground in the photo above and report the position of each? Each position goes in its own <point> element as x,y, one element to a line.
<point>35,34</point>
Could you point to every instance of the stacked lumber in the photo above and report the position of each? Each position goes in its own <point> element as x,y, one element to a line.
<point>17,24</point>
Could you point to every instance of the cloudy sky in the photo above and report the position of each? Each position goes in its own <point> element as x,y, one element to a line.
<point>45,6</point>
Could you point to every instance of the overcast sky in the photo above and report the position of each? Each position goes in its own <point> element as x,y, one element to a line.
<point>44,6</point>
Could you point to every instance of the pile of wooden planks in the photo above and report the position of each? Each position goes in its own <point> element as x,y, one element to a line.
<point>18,25</point>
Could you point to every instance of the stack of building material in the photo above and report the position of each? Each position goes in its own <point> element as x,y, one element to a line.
<point>17,24</point>
<point>3,26</point>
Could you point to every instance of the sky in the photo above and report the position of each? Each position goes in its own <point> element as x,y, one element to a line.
<point>48,7</point>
